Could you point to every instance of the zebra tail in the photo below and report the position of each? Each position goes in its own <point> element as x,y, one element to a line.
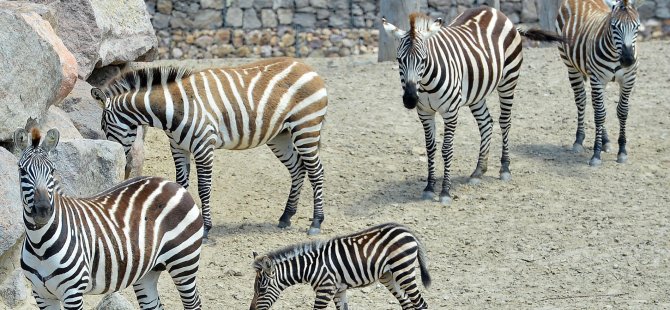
<point>423,265</point>
<point>541,35</point>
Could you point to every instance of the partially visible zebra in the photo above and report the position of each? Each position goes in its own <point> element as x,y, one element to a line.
<point>599,47</point>
<point>445,68</point>
<point>386,253</point>
<point>279,102</point>
<point>123,236</point>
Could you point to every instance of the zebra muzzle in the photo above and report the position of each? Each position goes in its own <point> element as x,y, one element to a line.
<point>409,97</point>
<point>627,56</point>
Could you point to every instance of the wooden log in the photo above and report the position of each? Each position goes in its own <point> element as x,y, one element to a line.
<point>396,12</point>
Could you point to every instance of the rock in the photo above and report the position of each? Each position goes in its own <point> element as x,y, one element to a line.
<point>100,76</point>
<point>84,111</point>
<point>212,4</point>
<point>268,18</point>
<point>322,4</point>
<point>11,207</point>
<point>208,19</point>
<point>245,4</point>
<point>285,16</point>
<point>204,41</point>
<point>14,290</point>
<point>57,118</point>
<point>263,4</point>
<point>250,19</point>
<point>135,158</point>
<point>164,6</point>
<point>177,53</point>
<point>114,301</point>
<point>234,17</point>
<point>161,21</point>
<point>306,20</point>
<point>528,11</point>
<point>86,167</point>
<point>100,33</point>
<point>40,69</point>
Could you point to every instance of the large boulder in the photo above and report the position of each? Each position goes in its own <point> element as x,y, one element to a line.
<point>38,69</point>
<point>101,33</point>
<point>84,111</point>
<point>57,118</point>
<point>86,167</point>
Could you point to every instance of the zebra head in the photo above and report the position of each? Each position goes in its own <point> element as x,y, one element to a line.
<point>624,23</point>
<point>413,52</point>
<point>112,123</point>
<point>266,285</point>
<point>36,174</point>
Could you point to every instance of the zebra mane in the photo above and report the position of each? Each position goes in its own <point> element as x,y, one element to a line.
<point>144,77</point>
<point>418,22</point>
<point>291,251</point>
<point>36,136</point>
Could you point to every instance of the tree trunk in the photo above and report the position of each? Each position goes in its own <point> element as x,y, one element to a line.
<point>547,11</point>
<point>396,12</point>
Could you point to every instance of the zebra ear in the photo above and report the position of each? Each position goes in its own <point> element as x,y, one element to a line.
<point>254,254</point>
<point>392,30</point>
<point>51,140</point>
<point>21,139</point>
<point>433,29</point>
<point>267,266</point>
<point>100,96</point>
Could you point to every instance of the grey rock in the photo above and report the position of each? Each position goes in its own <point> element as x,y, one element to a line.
<point>114,301</point>
<point>647,10</point>
<point>528,11</point>
<point>11,208</point>
<point>368,7</point>
<point>204,41</point>
<point>180,20</point>
<point>86,167</point>
<point>245,4</point>
<point>161,21</point>
<point>187,7</point>
<point>57,118</point>
<point>135,157</point>
<point>234,17</point>
<point>322,14</point>
<point>39,70</point>
<point>263,4</point>
<point>14,290</point>
<point>285,16</point>
<point>251,20</point>
<point>322,4</point>
<point>282,4</point>
<point>663,12</point>
<point>164,6</point>
<point>301,4</point>
<point>305,20</point>
<point>208,19</point>
<point>439,3</point>
<point>268,18</point>
<point>212,4</point>
<point>338,21</point>
<point>339,4</point>
<point>177,53</point>
<point>84,111</point>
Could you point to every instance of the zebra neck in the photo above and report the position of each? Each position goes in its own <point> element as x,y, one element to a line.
<point>132,109</point>
<point>303,274</point>
<point>603,46</point>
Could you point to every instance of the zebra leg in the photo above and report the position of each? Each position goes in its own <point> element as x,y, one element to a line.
<point>323,297</point>
<point>341,300</point>
<point>283,148</point>
<point>203,164</point>
<point>485,124</point>
<point>506,97</point>
<point>307,146</point>
<point>183,268</point>
<point>406,279</point>
<point>146,291</point>
<point>389,282</point>
<point>577,84</point>
<point>428,122</point>
<point>625,88</point>
<point>46,304</point>
<point>597,89</point>
<point>450,121</point>
<point>182,163</point>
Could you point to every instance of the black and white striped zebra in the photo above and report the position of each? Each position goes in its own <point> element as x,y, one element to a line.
<point>386,253</point>
<point>445,68</point>
<point>599,47</point>
<point>123,236</point>
<point>280,102</point>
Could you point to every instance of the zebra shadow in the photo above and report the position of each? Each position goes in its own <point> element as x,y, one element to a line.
<point>247,228</point>
<point>559,158</point>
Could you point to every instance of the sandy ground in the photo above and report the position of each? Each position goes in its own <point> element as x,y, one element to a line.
<point>560,234</point>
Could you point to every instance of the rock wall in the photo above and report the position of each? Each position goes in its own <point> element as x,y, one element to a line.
<point>250,28</point>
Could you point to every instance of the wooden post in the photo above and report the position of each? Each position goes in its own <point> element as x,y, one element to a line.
<point>496,4</point>
<point>547,12</point>
<point>396,12</point>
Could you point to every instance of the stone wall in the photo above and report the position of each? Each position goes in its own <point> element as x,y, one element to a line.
<point>253,28</point>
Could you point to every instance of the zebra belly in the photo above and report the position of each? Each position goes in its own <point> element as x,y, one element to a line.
<point>433,103</point>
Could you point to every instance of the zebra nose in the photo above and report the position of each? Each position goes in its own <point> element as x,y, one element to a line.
<point>627,56</point>
<point>409,97</point>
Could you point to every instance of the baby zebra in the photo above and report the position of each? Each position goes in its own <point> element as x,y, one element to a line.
<point>386,253</point>
<point>125,235</point>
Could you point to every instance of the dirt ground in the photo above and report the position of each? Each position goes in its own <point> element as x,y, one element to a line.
<point>560,234</point>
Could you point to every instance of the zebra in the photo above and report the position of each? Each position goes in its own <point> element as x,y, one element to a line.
<point>125,235</point>
<point>280,102</point>
<point>599,47</point>
<point>445,68</point>
<point>385,252</point>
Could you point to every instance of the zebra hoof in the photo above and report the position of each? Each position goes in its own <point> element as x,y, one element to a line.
<point>474,181</point>
<point>577,148</point>
<point>283,224</point>
<point>427,195</point>
<point>445,200</point>
<point>595,162</point>
<point>607,147</point>
<point>505,176</point>
<point>622,158</point>
<point>313,231</point>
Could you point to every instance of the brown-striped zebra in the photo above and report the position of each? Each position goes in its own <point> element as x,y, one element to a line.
<point>123,236</point>
<point>443,68</point>
<point>387,253</point>
<point>280,102</point>
<point>599,47</point>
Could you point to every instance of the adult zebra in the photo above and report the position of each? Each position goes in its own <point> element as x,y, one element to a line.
<point>279,102</point>
<point>386,253</point>
<point>600,47</point>
<point>445,68</point>
<point>125,235</point>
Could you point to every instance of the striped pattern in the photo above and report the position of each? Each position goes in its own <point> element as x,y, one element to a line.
<point>599,48</point>
<point>123,236</point>
<point>386,253</point>
<point>279,102</point>
<point>445,68</point>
